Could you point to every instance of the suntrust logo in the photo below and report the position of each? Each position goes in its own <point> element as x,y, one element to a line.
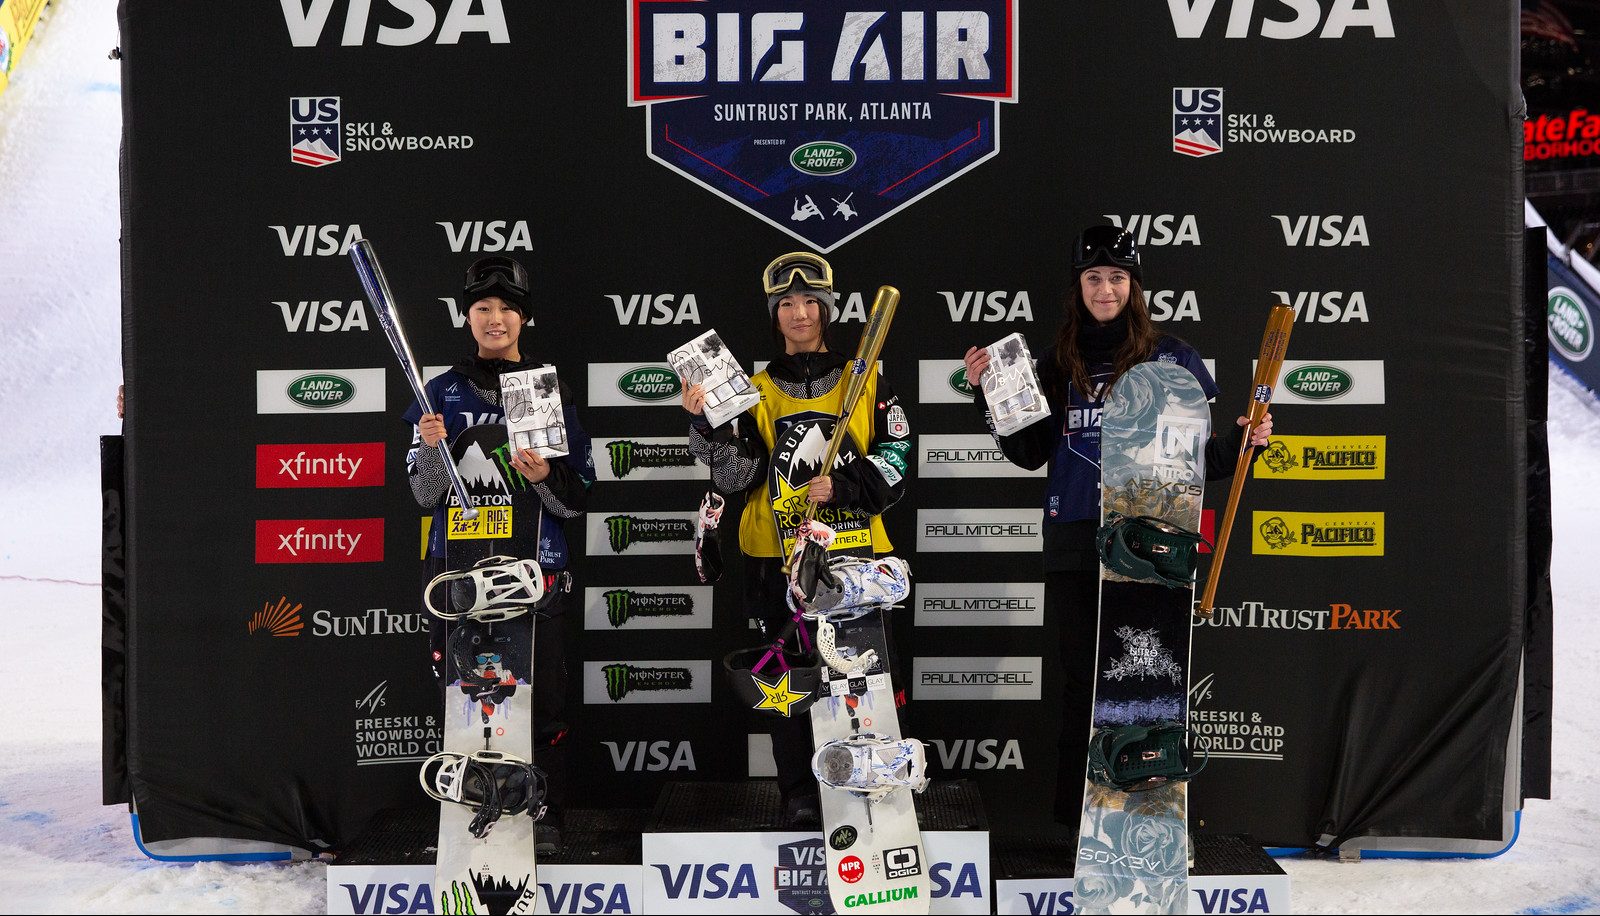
<point>1338,616</point>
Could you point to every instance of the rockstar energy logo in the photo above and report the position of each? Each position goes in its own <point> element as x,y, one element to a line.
<point>622,680</point>
<point>626,530</point>
<point>623,605</point>
<point>627,455</point>
<point>279,619</point>
<point>1319,534</point>
<point>1324,458</point>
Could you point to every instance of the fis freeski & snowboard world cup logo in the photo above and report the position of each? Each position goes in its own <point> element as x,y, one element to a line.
<point>314,130</point>
<point>819,118</point>
<point>1197,121</point>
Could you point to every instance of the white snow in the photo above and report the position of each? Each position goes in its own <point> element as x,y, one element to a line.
<point>64,852</point>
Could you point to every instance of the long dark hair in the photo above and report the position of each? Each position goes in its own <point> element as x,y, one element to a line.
<point>1138,347</point>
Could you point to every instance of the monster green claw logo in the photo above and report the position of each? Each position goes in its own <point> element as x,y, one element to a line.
<point>620,527</point>
<point>457,900</point>
<point>619,679</point>
<point>621,457</point>
<point>513,478</point>
<point>617,601</point>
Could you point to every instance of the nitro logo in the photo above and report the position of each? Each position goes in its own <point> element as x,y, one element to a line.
<point>281,619</point>
<point>1323,231</point>
<point>307,20</point>
<point>988,306</point>
<point>657,308</point>
<point>622,680</point>
<point>719,881</point>
<point>493,235</point>
<point>626,455</point>
<point>650,756</point>
<point>625,531</point>
<point>979,754</point>
<point>354,464</point>
<point>1326,308</point>
<point>1197,120</point>
<point>314,130</point>
<point>623,605</point>
<point>318,315</point>
<point>1190,18</point>
<point>586,898</point>
<point>1174,305</point>
<point>1160,228</point>
<point>355,540</point>
<point>317,241</point>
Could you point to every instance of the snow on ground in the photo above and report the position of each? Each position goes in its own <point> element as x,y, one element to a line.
<point>64,852</point>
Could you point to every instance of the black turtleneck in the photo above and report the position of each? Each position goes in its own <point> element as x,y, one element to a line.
<point>1099,342</point>
<point>485,373</point>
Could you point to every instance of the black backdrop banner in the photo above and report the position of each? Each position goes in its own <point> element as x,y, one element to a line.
<point>1359,161</point>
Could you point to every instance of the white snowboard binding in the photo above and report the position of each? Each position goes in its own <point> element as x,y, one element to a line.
<point>491,783</point>
<point>871,765</point>
<point>494,589</point>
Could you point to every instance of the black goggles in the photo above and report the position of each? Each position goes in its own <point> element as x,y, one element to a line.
<point>797,266</point>
<point>497,273</point>
<point>1105,245</point>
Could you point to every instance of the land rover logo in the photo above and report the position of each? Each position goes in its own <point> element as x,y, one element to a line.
<point>648,383</point>
<point>958,381</point>
<point>1319,383</point>
<point>820,157</point>
<point>320,392</point>
<point>1571,330</point>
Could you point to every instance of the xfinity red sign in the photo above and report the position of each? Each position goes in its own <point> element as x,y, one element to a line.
<point>319,540</point>
<point>343,464</point>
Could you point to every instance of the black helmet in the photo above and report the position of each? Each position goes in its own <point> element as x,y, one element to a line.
<point>774,690</point>
<point>1105,246</point>
<point>498,275</point>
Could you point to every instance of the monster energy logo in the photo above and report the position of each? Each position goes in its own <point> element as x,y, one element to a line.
<point>622,680</point>
<point>623,605</point>
<point>513,478</point>
<point>457,899</point>
<point>626,455</point>
<point>626,530</point>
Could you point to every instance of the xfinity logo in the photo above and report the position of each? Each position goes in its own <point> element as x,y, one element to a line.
<point>978,305</point>
<point>1190,18</point>
<point>306,20</point>
<point>1326,308</point>
<point>315,240</point>
<point>354,464</point>
<point>1159,228</point>
<point>650,756</point>
<point>301,540</point>
<point>357,540</point>
<point>655,308</point>
<point>1323,231</point>
<point>487,235</point>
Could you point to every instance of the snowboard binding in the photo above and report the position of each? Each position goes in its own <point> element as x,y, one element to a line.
<point>491,783</point>
<point>777,678</point>
<point>1146,548</point>
<point>707,550</point>
<point>871,765</point>
<point>494,589</point>
<point>1137,758</point>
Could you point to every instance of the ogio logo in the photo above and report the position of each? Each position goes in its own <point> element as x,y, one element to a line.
<point>279,619</point>
<point>626,455</point>
<point>959,383</point>
<point>623,605</point>
<point>1319,383</point>
<point>822,158</point>
<point>320,392</point>
<point>1571,330</point>
<point>648,383</point>
<point>622,680</point>
<point>627,530</point>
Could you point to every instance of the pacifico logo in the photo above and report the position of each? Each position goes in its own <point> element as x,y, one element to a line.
<point>648,383</point>
<point>622,680</point>
<point>321,391</point>
<point>1324,458</point>
<point>624,604</point>
<point>627,454</point>
<point>1319,534</point>
<point>624,531</point>
<point>1571,326</point>
<point>281,619</point>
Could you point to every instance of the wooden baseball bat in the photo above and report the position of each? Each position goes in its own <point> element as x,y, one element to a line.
<point>1274,345</point>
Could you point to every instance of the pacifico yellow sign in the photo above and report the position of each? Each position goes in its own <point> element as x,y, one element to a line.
<point>1323,458</point>
<point>1318,534</point>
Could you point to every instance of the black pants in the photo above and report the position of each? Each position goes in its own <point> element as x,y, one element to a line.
<point>792,742</point>
<point>1072,600</point>
<point>550,745</point>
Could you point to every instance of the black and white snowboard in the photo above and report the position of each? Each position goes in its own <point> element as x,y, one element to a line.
<point>1133,847</point>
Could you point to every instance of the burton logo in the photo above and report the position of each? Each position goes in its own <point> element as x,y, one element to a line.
<point>623,605</point>
<point>622,680</point>
<point>1319,383</point>
<point>321,391</point>
<point>627,455</point>
<point>626,530</point>
<point>1197,121</point>
<point>281,619</point>
<point>648,383</point>
<point>314,131</point>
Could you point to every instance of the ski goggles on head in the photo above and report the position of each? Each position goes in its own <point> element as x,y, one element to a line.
<point>1105,245</point>
<point>496,272</point>
<point>802,266</point>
